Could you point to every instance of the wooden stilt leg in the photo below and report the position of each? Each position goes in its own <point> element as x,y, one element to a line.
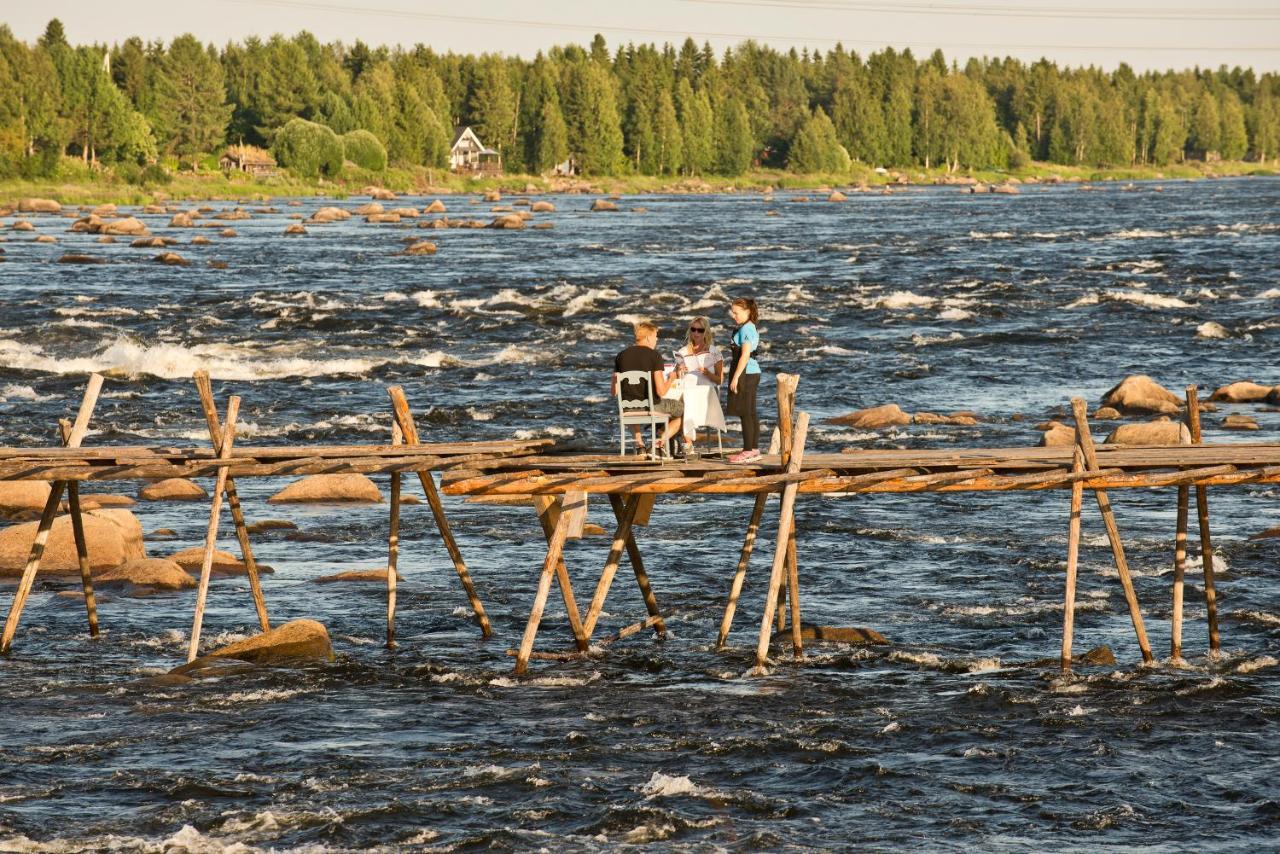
<point>1206,541</point>
<point>393,544</point>
<point>793,589</point>
<point>1085,440</point>
<point>211,535</point>
<point>82,545</point>
<point>403,417</point>
<point>550,516</point>
<point>786,523</point>
<point>620,538</point>
<point>1179,572</point>
<point>1073,560</point>
<point>205,387</point>
<point>735,589</point>
<point>555,547</point>
<point>642,577</point>
<point>72,440</point>
<point>781,607</point>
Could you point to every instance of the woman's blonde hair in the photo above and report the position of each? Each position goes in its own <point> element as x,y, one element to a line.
<point>707,337</point>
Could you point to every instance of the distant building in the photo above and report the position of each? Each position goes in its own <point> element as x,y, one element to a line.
<point>247,158</point>
<point>566,169</point>
<point>469,154</point>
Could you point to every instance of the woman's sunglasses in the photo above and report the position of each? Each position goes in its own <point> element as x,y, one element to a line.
<point>697,329</point>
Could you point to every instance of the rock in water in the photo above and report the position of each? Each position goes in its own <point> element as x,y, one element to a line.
<point>1107,413</point>
<point>173,259</point>
<point>1058,435</point>
<point>295,228</point>
<point>421,247</point>
<point>271,525</point>
<point>330,214</point>
<point>1236,421</point>
<point>328,488</point>
<point>39,206</point>
<point>379,575</point>
<point>173,489</point>
<point>113,537</point>
<point>837,196</point>
<point>603,205</point>
<point>155,572</point>
<point>1242,392</point>
<point>1140,393</point>
<point>542,207</point>
<point>295,641</point>
<point>129,225</point>
<point>23,495</point>
<point>224,563</point>
<point>514,221</point>
<point>1150,433</point>
<point>874,418</point>
<point>836,634</point>
<point>435,207</point>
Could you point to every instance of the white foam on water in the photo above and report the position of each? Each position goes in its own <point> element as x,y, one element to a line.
<point>1079,711</point>
<point>899,300</point>
<point>1145,299</point>
<point>981,753</point>
<point>1212,329</point>
<point>394,296</point>
<point>991,235</point>
<point>562,432</point>
<point>264,695</point>
<point>1256,664</point>
<point>955,314</point>
<point>833,350</point>
<point>479,414</point>
<point>128,358</point>
<point>1086,300</point>
<point>1261,617</point>
<point>662,785</point>
<point>1134,234</point>
<point>584,301</point>
<point>22,392</point>
<point>1269,293</point>
<point>925,659</point>
<point>925,340</point>
<point>426,299</point>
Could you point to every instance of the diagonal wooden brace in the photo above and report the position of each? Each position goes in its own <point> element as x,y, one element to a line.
<point>50,512</point>
<point>82,545</point>
<point>211,535</point>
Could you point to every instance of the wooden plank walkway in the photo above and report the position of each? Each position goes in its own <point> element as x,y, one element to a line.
<point>558,485</point>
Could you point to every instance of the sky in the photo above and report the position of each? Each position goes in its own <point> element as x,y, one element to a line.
<point>1146,34</point>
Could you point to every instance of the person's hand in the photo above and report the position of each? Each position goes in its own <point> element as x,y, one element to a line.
<point>733,385</point>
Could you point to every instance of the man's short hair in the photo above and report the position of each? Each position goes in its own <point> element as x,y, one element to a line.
<point>643,328</point>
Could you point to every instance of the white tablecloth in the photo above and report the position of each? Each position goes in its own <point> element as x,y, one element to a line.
<point>701,403</point>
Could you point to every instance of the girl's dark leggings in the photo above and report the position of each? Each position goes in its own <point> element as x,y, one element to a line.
<point>743,405</point>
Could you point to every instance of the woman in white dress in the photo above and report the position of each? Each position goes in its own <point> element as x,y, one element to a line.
<point>701,367</point>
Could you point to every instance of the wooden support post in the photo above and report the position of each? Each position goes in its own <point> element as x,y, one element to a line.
<point>1179,573</point>
<point>1206,541</point>
<point>786,523</point>
<point>620,538</point>
<point>82,545</point>
<point>205,387</point>
<point>211,535</point>
<point>555,548</point>
<point>50,512</point>
<point>793,583</point>
<point>403,417</point>
<point>735,589</point>
<point>393,543</point>
<point>637,567</point>
<point>550,515</point>
<point>1073,559</point>
<point>1085,440</point>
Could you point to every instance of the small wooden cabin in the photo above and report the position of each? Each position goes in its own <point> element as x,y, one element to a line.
<point>249,159</point>
<point>469,154</point>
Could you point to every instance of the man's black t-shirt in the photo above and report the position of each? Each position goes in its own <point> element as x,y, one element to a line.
<point>637,358</point>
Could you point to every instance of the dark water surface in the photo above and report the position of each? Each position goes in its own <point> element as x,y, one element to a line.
<point>935,300</point>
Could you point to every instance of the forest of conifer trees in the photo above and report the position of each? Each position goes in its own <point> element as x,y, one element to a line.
<point>636,110</point>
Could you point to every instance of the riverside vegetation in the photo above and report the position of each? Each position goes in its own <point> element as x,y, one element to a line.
<point>133,120</point>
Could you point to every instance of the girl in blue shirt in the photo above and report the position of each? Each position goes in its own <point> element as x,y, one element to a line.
<point>744,382</point>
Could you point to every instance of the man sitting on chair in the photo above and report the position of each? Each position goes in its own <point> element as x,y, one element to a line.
<point>643,356</point>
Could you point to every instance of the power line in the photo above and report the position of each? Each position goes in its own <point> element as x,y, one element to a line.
<point>997,11</point>
<point>314,6</point>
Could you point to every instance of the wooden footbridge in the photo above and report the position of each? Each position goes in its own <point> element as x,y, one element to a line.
<point>559,486</point>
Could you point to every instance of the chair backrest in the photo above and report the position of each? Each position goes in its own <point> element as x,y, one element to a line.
<point>632,378</point>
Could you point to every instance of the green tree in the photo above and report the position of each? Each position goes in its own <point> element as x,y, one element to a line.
<point>667,136</point>
<point>553,137</point>
<point>307,149</point>
<point>365,150</point>
<point>285,87</point>
<point>1206,126</point>
<point>494,106</point>
<point>816,147</point>
<point>859,120</point>
<point>697,141</point>
<point>1233,138</point>
<point>734,145</point>
<point>593,120</point>
<point>190,112</point>
<point>1266,134</point>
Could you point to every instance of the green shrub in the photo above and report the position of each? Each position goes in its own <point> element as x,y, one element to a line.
<point>365,150</point>
<point>307,149</point>
<point>155,174</point>
<point>72,170</point>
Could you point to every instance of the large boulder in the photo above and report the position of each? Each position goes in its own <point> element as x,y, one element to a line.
<point>603,205</point>
<point>1150,433</point>
<point>1242,392</point>
<point>330,214</point>
<point>380,193</point>
<point>435,207</point>
<point>1058,435</point>
<point>329,488</point>
<point>542,207</point>
<point>224,563</point>
<point>1236,421</point>
<point>155,572</point>
<point>23,495</point>
<point>295,228</point>
<point>112,536</point>
<point>39,206</point>
<point>513,221</point>
<point>298,640</point>
<point>130,225</point>
<point>874,418</point>
<point>421,247</point>
<point>173,489</point>
<point>1140,393</point>
<point>376,218</point>
<point>183,219</point>
<point>368,208</point>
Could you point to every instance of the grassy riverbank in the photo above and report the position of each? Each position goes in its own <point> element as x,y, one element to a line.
<point>103,187</point>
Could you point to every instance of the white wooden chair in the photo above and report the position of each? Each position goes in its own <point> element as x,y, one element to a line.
<point>633,412</point>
